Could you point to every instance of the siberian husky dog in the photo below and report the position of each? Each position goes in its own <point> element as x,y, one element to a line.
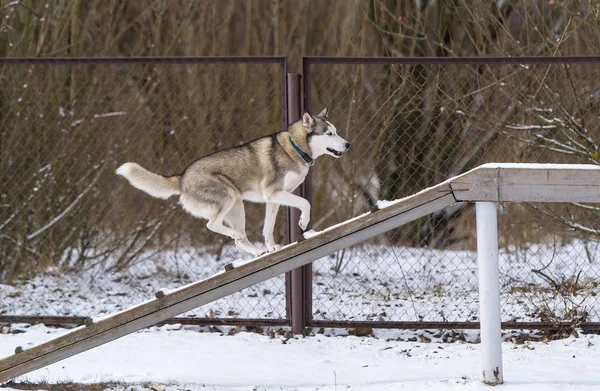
<point>264,170</point>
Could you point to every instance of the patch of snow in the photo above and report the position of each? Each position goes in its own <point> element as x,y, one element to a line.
<point>384,203</point>
<point>311,233</point>
<point>111,114</point>
<point>175,358</point>
<point>75,123</point>
<point>530,127</point>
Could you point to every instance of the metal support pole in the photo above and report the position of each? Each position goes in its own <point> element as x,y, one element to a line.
<point>299,279</point>
<point>489,292</point>
<point>307,188</point>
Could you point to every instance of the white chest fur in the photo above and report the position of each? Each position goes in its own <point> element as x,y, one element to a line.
<point>292,180</point>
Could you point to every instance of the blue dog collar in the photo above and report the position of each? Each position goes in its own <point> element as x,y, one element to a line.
<point>304,155</point>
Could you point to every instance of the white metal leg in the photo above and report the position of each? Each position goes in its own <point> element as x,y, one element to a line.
<point>489,292</point>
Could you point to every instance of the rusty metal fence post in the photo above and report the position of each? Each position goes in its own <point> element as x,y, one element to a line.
<point>299,288</point>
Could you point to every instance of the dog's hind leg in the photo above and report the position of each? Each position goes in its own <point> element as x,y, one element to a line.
<point>236,218</point>
<point>215,222</point>
<point>270,218</point>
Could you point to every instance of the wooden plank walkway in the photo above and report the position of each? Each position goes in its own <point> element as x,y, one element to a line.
<point>502,183</point>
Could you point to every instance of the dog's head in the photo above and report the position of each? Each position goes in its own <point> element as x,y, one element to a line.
<point>322,136</point>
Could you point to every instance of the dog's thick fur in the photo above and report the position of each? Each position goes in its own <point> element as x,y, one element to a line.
<point>265,170</point>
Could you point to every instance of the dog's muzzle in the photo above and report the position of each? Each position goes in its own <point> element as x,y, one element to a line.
<point>339,153</point>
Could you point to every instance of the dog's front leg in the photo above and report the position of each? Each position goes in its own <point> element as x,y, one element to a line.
<point>270,218</point>
<point>288,199</point>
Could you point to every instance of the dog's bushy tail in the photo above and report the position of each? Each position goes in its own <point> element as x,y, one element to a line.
<point>156,185</point>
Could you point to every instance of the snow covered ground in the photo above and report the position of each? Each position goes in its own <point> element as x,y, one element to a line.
<point>375,282</point>
<point>181,358</point>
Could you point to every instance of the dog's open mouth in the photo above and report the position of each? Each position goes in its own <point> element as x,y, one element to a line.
<point>335,153</point>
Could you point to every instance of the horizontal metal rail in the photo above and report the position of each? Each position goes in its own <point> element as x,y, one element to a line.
<point>424,325</point>
<point>80,320</point>
<point>450,60</point>
<point>143,60</point>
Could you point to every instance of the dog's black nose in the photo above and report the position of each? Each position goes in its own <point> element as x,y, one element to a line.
<point>347,146</point>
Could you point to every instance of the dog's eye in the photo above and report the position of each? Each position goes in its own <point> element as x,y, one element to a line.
<point>329,134</point>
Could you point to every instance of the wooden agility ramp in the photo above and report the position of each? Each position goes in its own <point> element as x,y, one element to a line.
<point>488,183</point>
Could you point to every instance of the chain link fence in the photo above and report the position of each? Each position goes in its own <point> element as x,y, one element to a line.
<point>416,122</point>
<point>75,239</point>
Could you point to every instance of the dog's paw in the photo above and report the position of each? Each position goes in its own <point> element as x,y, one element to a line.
<point>303,222</point>
<point>273,247</point>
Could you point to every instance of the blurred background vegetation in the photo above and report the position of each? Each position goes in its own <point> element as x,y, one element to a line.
<point>64,128</point>
<point>451,28</point>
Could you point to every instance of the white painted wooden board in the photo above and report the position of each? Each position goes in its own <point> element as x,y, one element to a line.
<point>519,183</point>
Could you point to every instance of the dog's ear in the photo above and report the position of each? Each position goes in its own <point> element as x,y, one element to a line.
<point>324,113</point>
<point>308,121</point>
